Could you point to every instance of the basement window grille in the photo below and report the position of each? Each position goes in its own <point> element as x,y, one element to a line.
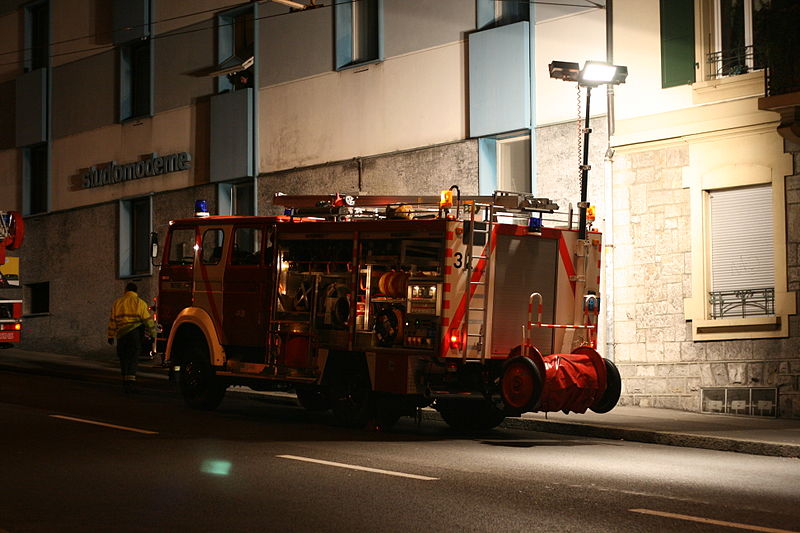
<point>742,303</point>
<point>740,401</point>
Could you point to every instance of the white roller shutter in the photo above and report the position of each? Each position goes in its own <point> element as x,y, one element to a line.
<point>742,249</point>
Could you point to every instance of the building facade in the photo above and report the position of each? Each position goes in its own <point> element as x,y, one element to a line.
<point>117,116</point>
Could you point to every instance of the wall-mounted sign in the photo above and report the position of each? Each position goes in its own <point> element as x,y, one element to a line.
<point>113,173</point>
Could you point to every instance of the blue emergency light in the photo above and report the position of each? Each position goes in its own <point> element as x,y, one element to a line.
<point>200,208</point>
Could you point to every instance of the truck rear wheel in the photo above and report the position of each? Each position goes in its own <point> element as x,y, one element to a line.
<point>199,384</point>
<point>470,415</point>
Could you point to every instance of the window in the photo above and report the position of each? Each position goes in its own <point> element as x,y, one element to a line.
<point>493,13</point>
<point>213,239</point>
<point>237,198</point>
<point>677,42</point>
<point>37,36</point>
<point>505,163</point>
<point>735,45</point>
<point>738,235</point>
<point>236,38</point>
<point>135,80</point>
<point>38,298</point>
<point>134,237</point>
<point>246,246</point>
<point>359,32</point>
<point>742,255</point>
<point>36,179</point>
<point>181,246</point>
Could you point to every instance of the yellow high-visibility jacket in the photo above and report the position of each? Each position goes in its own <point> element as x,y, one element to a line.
<point>128,313</point>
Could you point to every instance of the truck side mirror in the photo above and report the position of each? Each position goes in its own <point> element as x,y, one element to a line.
<point>154,248</point>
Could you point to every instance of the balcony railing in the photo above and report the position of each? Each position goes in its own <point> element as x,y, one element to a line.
<point>742,303</point>
<point>733,61</point>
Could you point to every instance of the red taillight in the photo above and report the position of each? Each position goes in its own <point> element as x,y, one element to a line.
<point>455,340</point>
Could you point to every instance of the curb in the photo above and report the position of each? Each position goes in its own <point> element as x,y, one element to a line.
<point>686,440</point>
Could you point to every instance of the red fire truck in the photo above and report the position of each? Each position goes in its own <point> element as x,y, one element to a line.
<point>376,306</point>
<point>12,231</point>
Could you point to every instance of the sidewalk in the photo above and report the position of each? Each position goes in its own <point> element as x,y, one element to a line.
<point>767,436</point>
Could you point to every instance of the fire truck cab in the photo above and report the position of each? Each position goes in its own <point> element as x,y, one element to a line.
<point>377,306</point>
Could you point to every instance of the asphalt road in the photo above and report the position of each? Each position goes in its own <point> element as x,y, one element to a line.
<point>262,467</point>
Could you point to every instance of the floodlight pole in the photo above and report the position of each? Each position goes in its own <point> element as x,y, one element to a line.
<point>584,204</point>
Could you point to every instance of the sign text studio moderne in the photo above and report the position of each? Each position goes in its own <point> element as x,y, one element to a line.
<point>154,166</point>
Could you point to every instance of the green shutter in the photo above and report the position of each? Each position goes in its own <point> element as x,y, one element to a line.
<point>677,42</point>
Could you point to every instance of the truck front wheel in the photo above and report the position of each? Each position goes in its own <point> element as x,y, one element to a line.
<point>199,384</point>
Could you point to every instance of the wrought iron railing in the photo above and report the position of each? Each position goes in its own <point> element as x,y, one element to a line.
<point>733,61</point>
<point>742,303</point>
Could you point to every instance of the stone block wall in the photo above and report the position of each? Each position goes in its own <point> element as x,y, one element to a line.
<point>660,364</point>
<point>76,252</point>
<point>424,171</point>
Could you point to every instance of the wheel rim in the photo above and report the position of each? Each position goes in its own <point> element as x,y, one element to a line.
<point>520,386</point>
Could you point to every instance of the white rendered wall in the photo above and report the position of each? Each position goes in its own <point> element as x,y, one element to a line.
<point>413,100</point>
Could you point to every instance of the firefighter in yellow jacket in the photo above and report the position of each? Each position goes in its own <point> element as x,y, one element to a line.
<point>128,315</point>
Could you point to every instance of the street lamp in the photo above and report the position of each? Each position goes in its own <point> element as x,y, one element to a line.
<point>593,74</point>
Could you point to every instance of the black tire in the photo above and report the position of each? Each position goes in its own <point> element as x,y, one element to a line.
<point>470,415</point>
<point>199,384</point>
<point>613,389</point>
<point>313,398</point>
<point>351,396</point>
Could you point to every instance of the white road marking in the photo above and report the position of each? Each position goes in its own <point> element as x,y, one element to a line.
<point>93,422</point>
<point>702,520</point>
<point>356,467</point>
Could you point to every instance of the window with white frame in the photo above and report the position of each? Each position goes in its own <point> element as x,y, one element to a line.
<point>735,37</point>
<point>739,263</point>
<point>742,252</point>
<point>359,32</point>
<point>135,225</point>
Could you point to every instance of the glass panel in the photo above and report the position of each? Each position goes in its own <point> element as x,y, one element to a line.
<point>732,37</point>
<point>181,247</point>
<point>140,78</point>
<point>764,402</point>
<point>713,400</point>
<point>140,236</point>
<point>738,402</point>
<point>365,30</point>
<point>246,246</point>
<point>212,246</point>
<point>38,178</point>
<point>39,297</point>
<point>242,199</point>
<point>40,35</point>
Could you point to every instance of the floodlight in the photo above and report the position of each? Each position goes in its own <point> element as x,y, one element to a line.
<point>564,70</point>
<point>596,73</point>
<point>593,74</point>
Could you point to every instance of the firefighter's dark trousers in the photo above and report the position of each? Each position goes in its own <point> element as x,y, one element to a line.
<point>128,348</point>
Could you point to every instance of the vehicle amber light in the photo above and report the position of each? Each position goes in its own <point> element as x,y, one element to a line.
<point>446,199</point>
<point>18,326</point>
